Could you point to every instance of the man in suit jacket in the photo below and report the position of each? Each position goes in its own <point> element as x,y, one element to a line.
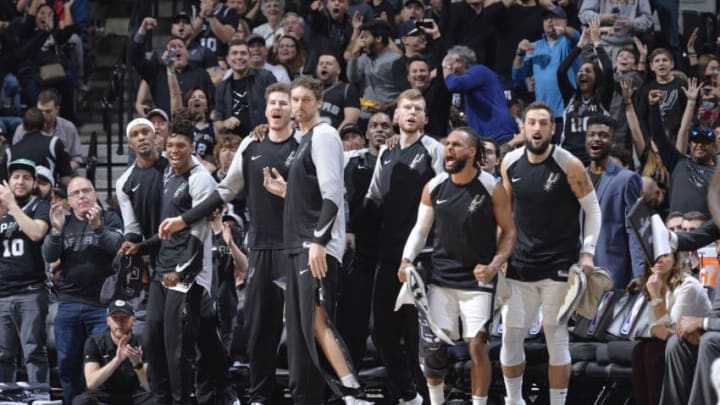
<point>617,249</point>
<point>696,344</point>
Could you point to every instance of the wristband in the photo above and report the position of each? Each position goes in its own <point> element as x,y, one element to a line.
<point>520,53</point>
<point>55,232</point>
<point>656,301</point>
<point>139,366</point>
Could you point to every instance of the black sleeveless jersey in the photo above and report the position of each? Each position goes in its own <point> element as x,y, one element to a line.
<point>546,214</point>
<point>465,229</point>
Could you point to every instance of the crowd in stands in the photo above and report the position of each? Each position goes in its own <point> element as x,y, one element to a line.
<point>635,102</point>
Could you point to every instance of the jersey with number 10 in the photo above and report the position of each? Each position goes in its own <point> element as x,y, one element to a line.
<point>22,269</point>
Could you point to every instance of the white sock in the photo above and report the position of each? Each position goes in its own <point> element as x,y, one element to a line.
<point>437,395</point>
<point>557,396</point>
<point>513,388</point>
<point>479,400</point>
<point>350,381</point>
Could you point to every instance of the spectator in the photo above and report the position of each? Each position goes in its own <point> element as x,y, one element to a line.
<point>49,104</point>
<point>542,59</point>
<point>198,54</point>
<point>161,123</point>
<point>23,296</point>
<point>85,241</point>
<point>44,65</point>
<point>258,59</point>
<point>491,156</point>
<point>414,38</point>
<point>294,25</point>
<point>412,10</point>
<point>9,100</point>
<point>114,363</point>
<point>290,53</point>
<point>436,94</point>
<point>485,106</point>
<point>198,107</point>
<point>45,183</point>
<point>674,221</point>
<point>341,101</point>
<point>273,11</point>
<point>464,14</point>
<point>618,248</point>
<point>47,151</point>
<point>155,71</point>
<point>512,22</point>
<point>240,97</point>
<point>694,346</point>
<point>672,100</point>
<point>592,96</point>
<point>690,174</point>
<point>628,66</point>
<point>654,195</point>
<point>352,138</point>
<point>331,27</point>
<point>370,60</point>
<point>214,25</point>
<point>673,294</point>
<point>624,20</point>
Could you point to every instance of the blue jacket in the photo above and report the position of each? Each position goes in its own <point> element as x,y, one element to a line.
<point>617,248</point>
<point>485,106</point>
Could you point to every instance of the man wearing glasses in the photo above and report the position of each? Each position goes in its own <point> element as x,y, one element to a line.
<point>690,174</point>
<point>85,241</point>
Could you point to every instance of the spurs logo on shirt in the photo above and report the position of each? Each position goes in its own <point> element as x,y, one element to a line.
<point>416,160</point>
<point>289,159</point>
<point>475,203</point>
<point>550,182</point>
<point>8,228</point>
<point>179,190</point>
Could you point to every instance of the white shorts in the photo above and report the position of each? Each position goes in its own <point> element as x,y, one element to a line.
<point>450,305</point>
<point>520,311</point>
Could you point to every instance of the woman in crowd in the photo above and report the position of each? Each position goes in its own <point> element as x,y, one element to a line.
<point>290,53</point>
<point>672,293</point>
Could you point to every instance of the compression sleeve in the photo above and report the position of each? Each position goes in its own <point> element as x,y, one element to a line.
<point>327,156</point>
<point>591,227</point>
<point>203,209</point>
<point>418,236</point>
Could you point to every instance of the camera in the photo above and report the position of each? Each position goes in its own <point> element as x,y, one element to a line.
<point>420,24</point>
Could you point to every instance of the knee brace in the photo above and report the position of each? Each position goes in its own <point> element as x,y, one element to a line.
<point>434,359</point>
<point>557,340</point>
<point>512,351</point>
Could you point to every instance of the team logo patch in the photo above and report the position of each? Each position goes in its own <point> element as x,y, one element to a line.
<point>416,160</point>
<point>476,202</point>
<point>550,182</point>
<point>289,159</point>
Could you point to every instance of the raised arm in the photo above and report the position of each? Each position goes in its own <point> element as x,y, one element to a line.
<point>691,92</point>
<point>628,88</point>
<point>668,153</point>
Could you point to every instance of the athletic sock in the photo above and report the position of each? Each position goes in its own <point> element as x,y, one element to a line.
<point>513,388</point>
<point>350,381</point>
<point>479,400</point>
<point>558,396</point>
<point>437,394</point>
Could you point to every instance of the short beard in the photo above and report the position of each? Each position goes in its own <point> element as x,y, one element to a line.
<point>540,149</point>
<point>459,166</point>
<point>601,157</point>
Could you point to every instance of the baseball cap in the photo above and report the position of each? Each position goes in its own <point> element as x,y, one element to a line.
<point>160,112</point>
<point>700,134</point>
<point>556,11</point>
<point>181,16</point>
<point>408,28</point>
<point>420,3</point>
<point>255,38</point>
<point>120,306</point>
<point>45,173</point>
<point>25,164</point>
<point>350,128</point>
